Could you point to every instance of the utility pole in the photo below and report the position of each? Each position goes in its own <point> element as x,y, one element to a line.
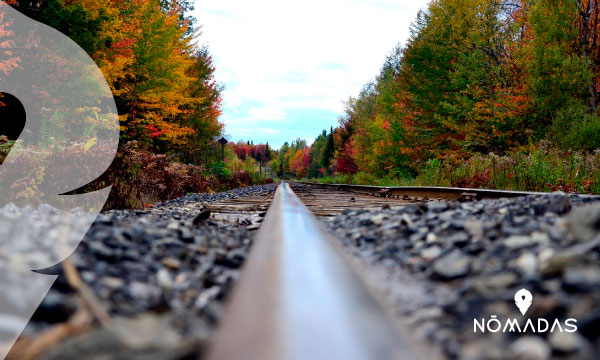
<point>259,156</point>
<point>223,142</point>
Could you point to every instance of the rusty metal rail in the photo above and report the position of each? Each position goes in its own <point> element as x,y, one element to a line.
<point>427,192</point>
<point>299,298</point>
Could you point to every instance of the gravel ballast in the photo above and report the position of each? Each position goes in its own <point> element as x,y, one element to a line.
<point>442,265</point>
<point>162,277</point>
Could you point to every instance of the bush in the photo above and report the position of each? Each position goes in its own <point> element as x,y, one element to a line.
<point>575,128</point>
<point>219,169</point>
<point>545,168</point>
<point>5,146</point>
<point>239,179</point>
<point>364,178</point>
<point>140,178</point>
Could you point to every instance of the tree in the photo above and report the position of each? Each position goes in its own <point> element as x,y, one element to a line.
<point>8,61</point>
<point>328,152</point>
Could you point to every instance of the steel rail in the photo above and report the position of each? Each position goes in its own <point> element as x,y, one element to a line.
<point>432,192</point>
<point>299,299</point>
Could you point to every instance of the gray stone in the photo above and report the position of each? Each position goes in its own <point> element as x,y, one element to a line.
<point>584,222</point>
<point>527,264</point>
<point>377,219</point>
<point>582,277</point>
<point>565,342</point>
<point>452,266</point>
<point>431,253</point>
<point>529,348</point>
<point>518,241</point>
<point>560,203</point>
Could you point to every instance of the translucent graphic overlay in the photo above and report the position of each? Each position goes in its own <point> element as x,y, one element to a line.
<point>69,139</point>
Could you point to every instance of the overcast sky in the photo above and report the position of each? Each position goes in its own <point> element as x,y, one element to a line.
<point>288,66</point>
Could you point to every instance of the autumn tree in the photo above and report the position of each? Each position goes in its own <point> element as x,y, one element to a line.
<point>162,81</point>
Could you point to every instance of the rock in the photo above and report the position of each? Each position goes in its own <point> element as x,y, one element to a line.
<point>232,261</point>
<point>584,278</point>
<point>202,218</point>
<point>431,238</point>
<point>426,314</point>
<point>140,290</point>
<point>377,219</point>
<point>584,223</point>
<point>112,283</point>
<point>171,263</point>
<point>529,348</point>
<point>556,262</point>
<point>437,206</point>
<point>431,253</point>
<point>484,348</point>
<point>492,285</point>
<point>206,297</point>
<point>451,266</point>
<point>560,203</point>
<point>101,251</point>
<point>518,242</point>
<point>164,278</point>
<point>564,342</point>
<point>527,264</point>
<point>459,239</point>
<point>474,227</point>
<point>540,238</point>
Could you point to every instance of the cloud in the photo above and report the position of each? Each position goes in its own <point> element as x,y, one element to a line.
<point>267,112</point>
<point>276,57</point>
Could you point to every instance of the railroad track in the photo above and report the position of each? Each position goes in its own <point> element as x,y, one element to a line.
<point>299,296</point>
<point>248,211</point>
<point>332,200</point>
<point>301,293</point>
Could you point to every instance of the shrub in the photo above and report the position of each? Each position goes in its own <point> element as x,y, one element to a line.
<point>219,169</point>
<point>575,128</point>
<point>364,178</point>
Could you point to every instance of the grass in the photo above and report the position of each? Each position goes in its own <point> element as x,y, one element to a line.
<point>544,169</point>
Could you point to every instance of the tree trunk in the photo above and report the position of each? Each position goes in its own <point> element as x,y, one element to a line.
<point>584,40</point>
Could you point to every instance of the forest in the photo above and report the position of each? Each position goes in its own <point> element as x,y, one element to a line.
<point>168,101</point>
<point>485,93</point>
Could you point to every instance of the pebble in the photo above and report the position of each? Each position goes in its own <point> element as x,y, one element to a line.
<point>529,348</point>
<point>518,241</point>
<point>431,253</point>
<point>527,264</point>
<point>584,222</point>
<point>452,266</point>
<point>565,342</point>
<point>171,263</point>
<point>584,278</point>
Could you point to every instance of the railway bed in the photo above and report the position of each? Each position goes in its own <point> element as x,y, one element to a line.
<point>334,271</point>
<point>298,296</point>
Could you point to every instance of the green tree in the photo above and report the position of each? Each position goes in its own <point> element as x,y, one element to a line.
<point>328,151</point>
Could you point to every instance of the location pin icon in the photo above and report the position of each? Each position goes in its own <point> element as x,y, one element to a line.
<point>523,300</point>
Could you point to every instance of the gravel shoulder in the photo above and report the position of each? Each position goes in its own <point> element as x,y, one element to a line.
<point>161,274</point>
<point>442,265</point>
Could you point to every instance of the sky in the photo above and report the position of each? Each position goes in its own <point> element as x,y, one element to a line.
<point>289,66</point>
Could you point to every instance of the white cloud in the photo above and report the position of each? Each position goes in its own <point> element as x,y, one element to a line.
<point>267,112</point>
<point>285,55</point>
